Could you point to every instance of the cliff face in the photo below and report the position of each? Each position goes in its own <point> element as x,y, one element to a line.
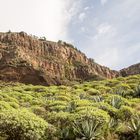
<point>132,70</point>
<point>27,59</point>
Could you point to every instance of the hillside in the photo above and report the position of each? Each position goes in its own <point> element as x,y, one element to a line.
<point>28,59</point>
<point>95,110</point>
<point>103,105</point>
<point>132,70</point>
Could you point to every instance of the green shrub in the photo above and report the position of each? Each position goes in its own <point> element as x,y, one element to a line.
<point>23,125</point>
<point>96,98</point>
<point>85,108</point>
<point>137,92</point>
<point>55,105</point>
<point>14,105</point>
<point>93,92</point>
<point>133,85</point>
<point>41,111</point>
<point>130,130</point>
<point>112,83</point>
<point>125,113</point>
<point>134,126</point>
<point>62,121</point>
<point>92,110</point>
<point>35,88</point>
<point>90,125</point>
<point>124,93</point>
<point>63,98</point>
<point>112,111</point>
<point>116,101</point>
<point>124,132</point>
<point>80,103</point>
<point>104,89</point>
<point>4,105</point>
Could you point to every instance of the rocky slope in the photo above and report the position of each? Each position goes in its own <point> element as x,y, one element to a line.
<point>132,70</point>
<point>28,59</point>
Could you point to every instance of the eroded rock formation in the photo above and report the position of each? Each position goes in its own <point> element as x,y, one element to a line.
<point>27,59</point>
<point>132,70</point>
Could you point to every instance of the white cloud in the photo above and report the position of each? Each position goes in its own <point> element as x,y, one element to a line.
<point>103,2</point>
<point>111,54</point>
<point>48,18</point>
<point>74,7</point>
<point>82,16</point>
<point>104,29</point>
<point>86,8</point>
<point>84,30</point>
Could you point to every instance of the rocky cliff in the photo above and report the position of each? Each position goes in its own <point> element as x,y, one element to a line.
<point>28,59</point>
<point>132,70</point>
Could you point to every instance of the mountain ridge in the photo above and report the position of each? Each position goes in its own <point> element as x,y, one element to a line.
<point>28,59</point>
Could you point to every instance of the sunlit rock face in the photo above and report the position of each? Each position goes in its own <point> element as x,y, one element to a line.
<point>28,59</point>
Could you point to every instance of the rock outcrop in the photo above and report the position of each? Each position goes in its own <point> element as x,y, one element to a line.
<point>28,59</point>
<point>132,70</point>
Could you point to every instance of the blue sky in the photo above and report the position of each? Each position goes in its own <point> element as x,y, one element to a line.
<point>106,30</point>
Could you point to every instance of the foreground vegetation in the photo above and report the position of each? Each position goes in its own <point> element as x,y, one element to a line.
<point>98,110</point>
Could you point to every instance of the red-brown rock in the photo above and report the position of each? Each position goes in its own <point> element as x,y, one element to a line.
<point>27,59</point>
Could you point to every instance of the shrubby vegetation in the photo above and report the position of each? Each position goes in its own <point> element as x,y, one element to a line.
<point>96,110</point>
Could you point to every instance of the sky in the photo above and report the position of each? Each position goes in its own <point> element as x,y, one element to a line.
<point>106,30</point>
